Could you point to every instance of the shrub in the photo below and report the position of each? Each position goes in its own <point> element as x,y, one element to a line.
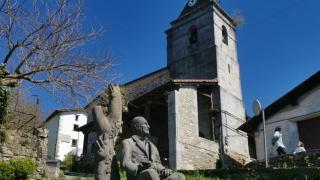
<point>84,166</point>
<point>6,171</point>
<point>309,159</point>
<point>23,167</point>
<point>73,164</point>
<point>255,174</point>
<point>68,162</point>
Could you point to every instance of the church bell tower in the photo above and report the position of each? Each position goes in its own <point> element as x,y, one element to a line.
<point>201,46</point>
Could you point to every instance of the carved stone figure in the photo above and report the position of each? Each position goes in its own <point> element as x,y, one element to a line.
<point>108,124</point>
<point>140,157</point>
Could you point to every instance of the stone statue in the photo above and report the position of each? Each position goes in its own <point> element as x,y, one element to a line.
<point>108,121</point>
<point>140,157</point>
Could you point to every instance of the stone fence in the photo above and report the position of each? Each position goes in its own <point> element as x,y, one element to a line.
<point>16,144</point>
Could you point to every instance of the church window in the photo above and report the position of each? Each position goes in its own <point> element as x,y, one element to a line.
<point>193,35</point>
<point>224,35</point>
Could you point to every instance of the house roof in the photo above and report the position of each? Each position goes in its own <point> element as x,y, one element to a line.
<point>290,98</point>
<point>58,111</point>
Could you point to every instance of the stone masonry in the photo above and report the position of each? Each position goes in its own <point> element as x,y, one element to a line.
<point>187,150</point>
<point>212,55</point>
<point>25,145</point>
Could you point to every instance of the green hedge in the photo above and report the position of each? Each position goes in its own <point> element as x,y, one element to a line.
<point>72,164</point>
<point>309,159</point>
<point>6,171</point>
<point>17,168</point>
<point>256,174</point>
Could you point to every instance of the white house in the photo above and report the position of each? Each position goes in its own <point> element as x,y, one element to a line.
<point>63,137</point>
<point>298,115</point>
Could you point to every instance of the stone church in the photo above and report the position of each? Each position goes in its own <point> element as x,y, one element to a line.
<point>194,105</point>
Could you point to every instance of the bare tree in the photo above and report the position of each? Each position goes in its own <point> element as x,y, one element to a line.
<point>25,113</point>
<point>41,42</point>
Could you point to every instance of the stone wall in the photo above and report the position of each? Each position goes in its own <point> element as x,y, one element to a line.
<point>231,107</point>
<point>192,61</point>
<point>187,150</point>
<point>25,145</point>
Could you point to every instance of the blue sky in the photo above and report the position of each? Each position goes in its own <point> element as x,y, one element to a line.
<point>278,45</point>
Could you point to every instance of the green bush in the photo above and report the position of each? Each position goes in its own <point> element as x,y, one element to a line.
<point>68,162</point>
<point>73,164</point>
<point>17,169</point>
<point>255,174</point>
<point>309,159</point>
<point>23,167</point>
<point>6,171</point>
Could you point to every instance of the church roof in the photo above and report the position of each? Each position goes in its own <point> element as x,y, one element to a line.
<point>203,3</point>
<point>290,98</point>
<point>150,85</point>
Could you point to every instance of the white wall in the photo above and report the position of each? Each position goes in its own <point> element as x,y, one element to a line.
<point>61,134</point>
<point>308,107</point>
<point>52,126</point>
<point>67,134</point>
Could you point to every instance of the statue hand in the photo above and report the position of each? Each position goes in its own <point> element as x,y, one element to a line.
<point>102,150</point>
<point>165,172</point>
<point>114,90</point>
<point>146,164</point>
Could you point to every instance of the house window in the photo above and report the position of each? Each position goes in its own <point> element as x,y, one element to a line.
<point>77,117</point>
<point>74,143</point>
<point>75,127</point>
<point>193,35</point>
<point>224,35</point>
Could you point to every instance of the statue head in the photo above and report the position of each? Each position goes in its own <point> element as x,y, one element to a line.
<point>140,126</point>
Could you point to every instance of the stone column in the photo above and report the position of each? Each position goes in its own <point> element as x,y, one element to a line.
<point>188,151</point>
<point>182,122</point>
<point>172,128</point>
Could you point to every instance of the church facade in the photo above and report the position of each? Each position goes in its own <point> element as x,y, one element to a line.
<point>194,105</point>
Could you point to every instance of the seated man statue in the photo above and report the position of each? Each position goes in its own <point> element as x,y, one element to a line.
<point>140,157</point>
